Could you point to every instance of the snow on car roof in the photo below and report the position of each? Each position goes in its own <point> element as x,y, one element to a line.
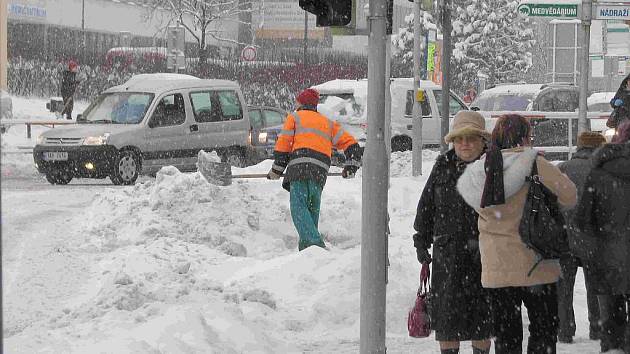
<point>600,97</point>
<point>160,76</point>
<point>158,86</point>
<point>522,89</point>
<point>350,86</point>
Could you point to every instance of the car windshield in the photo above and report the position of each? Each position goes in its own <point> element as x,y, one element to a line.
<point>118,108</point>
<point>509,102</point>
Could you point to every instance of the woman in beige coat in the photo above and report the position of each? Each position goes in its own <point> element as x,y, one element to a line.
<point>495,186</point>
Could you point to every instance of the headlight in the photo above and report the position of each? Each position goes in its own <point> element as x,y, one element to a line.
<point>262,137</point>
<point>40,140</point>
<point>95,140</point>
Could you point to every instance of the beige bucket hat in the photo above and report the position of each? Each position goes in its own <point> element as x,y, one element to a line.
<point>468,123</point>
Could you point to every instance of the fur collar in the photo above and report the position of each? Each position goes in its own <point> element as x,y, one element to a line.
<point>516,166</point>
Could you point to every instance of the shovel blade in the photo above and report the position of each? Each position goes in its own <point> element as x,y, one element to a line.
<point>213,170</point>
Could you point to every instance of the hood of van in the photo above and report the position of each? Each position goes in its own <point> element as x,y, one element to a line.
<point>84,130</point>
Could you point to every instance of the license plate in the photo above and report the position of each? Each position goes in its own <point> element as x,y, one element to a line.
<point>55,156</point>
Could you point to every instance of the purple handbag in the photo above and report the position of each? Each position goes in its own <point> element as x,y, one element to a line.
<point>418,322</point>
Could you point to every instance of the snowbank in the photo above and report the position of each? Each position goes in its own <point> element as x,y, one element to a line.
<point>181,265</point>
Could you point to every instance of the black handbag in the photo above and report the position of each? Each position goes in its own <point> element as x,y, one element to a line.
<point>542,227</point>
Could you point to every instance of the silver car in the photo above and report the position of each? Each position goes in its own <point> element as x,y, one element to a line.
<point>142,125</point>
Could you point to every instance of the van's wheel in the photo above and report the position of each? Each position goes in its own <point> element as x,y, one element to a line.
<point>235,156</point>
<point>401,143</point>
<point>58,177</point>
<point>126,169</point>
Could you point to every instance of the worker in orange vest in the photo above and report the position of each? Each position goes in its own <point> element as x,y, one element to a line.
<point>304,148</point>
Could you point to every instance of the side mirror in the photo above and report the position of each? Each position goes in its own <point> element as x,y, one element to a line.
<point>475,108</point>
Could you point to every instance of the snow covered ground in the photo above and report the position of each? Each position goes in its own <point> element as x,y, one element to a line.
<point>177,265</point>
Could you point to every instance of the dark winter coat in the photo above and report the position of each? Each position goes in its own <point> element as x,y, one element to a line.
<point>604,211</point>
<point>578,169</point>
<point>460,307</point>
<point>68,83</point>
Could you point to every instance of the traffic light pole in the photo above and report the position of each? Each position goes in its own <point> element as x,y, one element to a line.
<point>375,180</point>
<point>446,70</point>
<point>416,141</point>
<point>587,6</point>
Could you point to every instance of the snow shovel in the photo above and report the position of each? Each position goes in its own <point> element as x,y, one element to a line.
<point>220,173</point>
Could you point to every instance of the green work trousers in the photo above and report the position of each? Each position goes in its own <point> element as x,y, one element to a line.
<point>305,199</point>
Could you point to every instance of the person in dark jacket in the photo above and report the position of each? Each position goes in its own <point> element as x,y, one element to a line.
<point>460,307</point>
<point>604,211</point>
<point>304,148</point>
<point>577,169</point>
<point>69,84</point>
<point>620,104</point>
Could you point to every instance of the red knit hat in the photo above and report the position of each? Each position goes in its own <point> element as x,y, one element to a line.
<point>308,97</point>
<point>72,65</point>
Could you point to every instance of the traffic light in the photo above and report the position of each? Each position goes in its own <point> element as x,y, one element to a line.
<point>330,13</point>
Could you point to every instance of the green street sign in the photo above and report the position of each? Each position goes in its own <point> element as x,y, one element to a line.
<point>549,10</point>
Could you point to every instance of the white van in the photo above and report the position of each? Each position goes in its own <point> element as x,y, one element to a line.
<point>144,124</point>
<point>354,92</point>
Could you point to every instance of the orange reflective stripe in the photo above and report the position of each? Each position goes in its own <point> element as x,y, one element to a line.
<point>313,131</point>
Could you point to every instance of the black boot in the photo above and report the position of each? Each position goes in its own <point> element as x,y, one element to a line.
<point>481,351</point>
<point>449,351</point>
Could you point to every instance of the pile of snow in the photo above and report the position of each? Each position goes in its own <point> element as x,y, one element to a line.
<point>179,264</point>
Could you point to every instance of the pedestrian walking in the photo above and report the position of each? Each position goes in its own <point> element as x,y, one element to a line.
<point>620,104</point>
<point>604,211</point>
<point>69,84</point>
<point>460,306</point>
<point>496,187</point>
<point>577,169</point>
<point>304,149</point>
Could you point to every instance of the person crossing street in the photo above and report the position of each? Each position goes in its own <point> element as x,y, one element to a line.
<point>304,149</point>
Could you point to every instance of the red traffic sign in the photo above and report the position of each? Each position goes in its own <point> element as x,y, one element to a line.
<point>248,53</point>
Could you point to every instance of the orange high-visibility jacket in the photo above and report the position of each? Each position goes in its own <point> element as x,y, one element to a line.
<point>305,145</point>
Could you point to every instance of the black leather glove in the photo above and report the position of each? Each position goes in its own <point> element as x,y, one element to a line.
<point>349,171</point>
<point>423,255</point>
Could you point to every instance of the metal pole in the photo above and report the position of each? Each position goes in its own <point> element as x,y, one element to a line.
<point>553,53</point>
<point>446,77</point>
<point>587,7</point>
<point>3,44</point>
<point>374,192</point>
<point>416,141</point>
<point>305,60</point>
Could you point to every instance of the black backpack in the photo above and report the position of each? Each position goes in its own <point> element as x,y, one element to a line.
<point>542,227</point>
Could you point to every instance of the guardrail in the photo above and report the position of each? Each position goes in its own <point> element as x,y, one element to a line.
<point>30,122</point>
<point>597,122</point>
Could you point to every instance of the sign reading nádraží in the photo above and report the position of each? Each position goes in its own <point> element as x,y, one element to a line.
<point>549,10</point>
<point>611,12</point>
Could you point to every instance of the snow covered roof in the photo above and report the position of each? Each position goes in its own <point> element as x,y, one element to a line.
<point>160,76</point>
<point>600,97</point>
<point>354,86</point>
<point>526,89</point>
<point>159,85</point>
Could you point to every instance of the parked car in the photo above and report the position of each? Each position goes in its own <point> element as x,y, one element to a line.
<point>6,105</point>
<point>354,113</point>
<point>535,97</point>
<point>266,124</point>
<point>142,125</point>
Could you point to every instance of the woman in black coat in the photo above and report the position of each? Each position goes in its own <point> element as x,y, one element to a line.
<point>460,307</point>
<point>604,211</point>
